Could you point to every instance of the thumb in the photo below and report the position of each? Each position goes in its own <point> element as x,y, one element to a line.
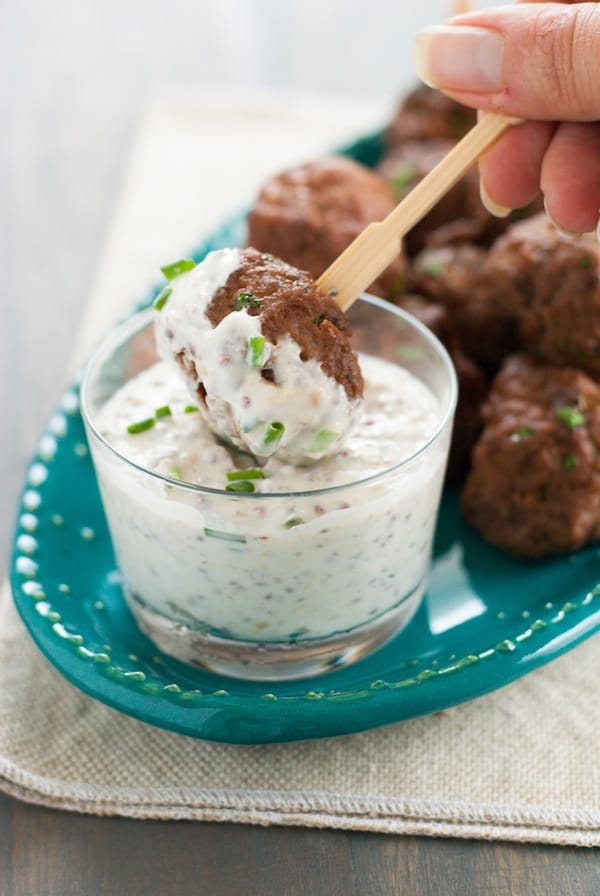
<point>535,60</point>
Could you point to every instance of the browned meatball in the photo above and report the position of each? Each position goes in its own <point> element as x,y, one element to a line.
<point>534,486</point>
<point>456,277</point>
<point>551,283</point>
<point>459,216</point>
<point>472,383</point>
<point>310,214</point>
<point>289,303</point>
<point>425,113</point>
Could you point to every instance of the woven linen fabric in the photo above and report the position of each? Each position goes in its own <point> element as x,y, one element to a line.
<point>518,764</point>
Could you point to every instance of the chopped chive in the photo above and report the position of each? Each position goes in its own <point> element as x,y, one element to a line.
<point>176,473</point>
<point>523,433</point>
<point>141,426</point>
<point>584,261</point>
<point>242,485</point>
<point>267,258</point>
<point>176,268</point>
<point>410,353</point>
<point>432,267</point>
<point>322,440</point>
<point>293,521</point>
<point>190,409</point>
<point>256,351</point>
<point>246,300</point>
<point>273,434</point>
<point>162,298</point>
<point>569,461</point>
<point>402,177</point>
<point>251,473</point>
<point>225,536</point>
<point>164,411</point>
<point>571,417</point>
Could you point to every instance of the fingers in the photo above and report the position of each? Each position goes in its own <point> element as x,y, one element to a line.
<point>532,60</point>
<point>510,171</point>
<point>570,177</point>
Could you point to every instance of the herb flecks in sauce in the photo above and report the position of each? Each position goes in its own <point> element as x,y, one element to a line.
<point>273,434</point>
<point>140,426</point>
<point>256,351</point>
<point>251,473</point>
<point>177,268</point>
<point>162,298</point>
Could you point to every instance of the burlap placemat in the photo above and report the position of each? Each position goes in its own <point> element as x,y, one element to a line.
<point>519,764</point>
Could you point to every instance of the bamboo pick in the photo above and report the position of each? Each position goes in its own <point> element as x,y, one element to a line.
<point>379,243</point>
<point>461,6</point>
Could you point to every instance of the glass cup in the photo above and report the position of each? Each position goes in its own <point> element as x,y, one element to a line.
<point>274,586</point>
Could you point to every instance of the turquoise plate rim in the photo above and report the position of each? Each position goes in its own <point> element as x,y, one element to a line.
<point>419,672</point>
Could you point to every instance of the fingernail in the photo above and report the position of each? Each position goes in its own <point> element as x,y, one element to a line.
<point>459,57</point>
<point>498,211</point>
<point>560,229</point>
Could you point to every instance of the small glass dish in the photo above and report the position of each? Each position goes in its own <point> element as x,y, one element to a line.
<point>222,580</point>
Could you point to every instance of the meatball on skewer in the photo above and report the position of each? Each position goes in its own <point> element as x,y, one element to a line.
<point>266,355</point>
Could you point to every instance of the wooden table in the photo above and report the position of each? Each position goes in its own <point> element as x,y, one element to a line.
<point>59,171</point>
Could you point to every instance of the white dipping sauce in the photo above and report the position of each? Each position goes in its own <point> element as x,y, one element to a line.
<point>265,566</point>
<point>313,407</point>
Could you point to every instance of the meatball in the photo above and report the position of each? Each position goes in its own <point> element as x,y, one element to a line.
<point>551,283</point>
<point>267,356</point>
<point>472,383</point>
<point>534,485</point>
<point>456,277</point>
<point>425,113</point>
<point>310,214</point>
<point>459,216</point>
<point>288,303</point>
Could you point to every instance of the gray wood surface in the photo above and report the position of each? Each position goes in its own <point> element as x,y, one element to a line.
<point>73,76</point>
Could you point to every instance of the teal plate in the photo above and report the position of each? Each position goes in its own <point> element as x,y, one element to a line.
<point>486,620</point>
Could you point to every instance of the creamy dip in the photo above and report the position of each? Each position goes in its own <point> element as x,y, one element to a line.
<point>346,547</point>
<point>311,408</point>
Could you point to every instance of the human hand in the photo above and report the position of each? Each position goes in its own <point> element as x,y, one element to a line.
<point>539,62</point>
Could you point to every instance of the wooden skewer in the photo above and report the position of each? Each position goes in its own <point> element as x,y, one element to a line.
<point>461,6</point>
<point>379,243</point>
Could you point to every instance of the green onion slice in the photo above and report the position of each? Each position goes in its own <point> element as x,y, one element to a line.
<point>571,417</point>
<point>432,267</point>
<point>273,434</point>
<point>246,300</point>
<point>525,432</point>
<point>569,462</point>
<point>251,473</point>
<point>162,298</point>
<point>176,268</point>
<point>225,536</point>
<point>402,177</point>
<point>164,411</point>
<point>242,485</point>
<point>322,440</point>
<point>256,351</point>
<point>141,426</point>
<point>190,409</point>
<point>293,521</point>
